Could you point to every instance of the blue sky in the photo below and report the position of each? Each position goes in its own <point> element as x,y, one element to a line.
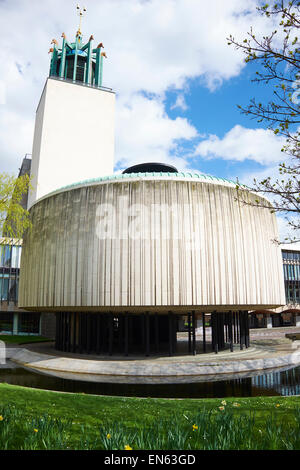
<point>177,82</point>
<point>216,112</point>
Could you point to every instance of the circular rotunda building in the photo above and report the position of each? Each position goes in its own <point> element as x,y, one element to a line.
<point>120,259</point>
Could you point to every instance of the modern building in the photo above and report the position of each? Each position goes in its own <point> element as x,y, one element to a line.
<point>120,259</point>
<point>289,314</point>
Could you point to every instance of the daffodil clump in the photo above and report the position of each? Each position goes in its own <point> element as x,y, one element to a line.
<point>225,424</point>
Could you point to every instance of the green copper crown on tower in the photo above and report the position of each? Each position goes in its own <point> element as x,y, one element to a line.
<point>77,61</point>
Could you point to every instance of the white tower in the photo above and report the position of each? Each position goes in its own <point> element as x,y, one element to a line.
<point>74,127</point>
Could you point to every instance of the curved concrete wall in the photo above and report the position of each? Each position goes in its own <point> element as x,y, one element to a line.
<point>157,243</point>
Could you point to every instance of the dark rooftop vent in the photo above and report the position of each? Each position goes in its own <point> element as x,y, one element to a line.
<point>151,167</point>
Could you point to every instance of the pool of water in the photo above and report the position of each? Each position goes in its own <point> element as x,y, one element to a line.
<point>276,382</point>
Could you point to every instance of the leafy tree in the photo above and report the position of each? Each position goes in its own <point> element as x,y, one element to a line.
<point>14,218</point>
<point>278,58</point>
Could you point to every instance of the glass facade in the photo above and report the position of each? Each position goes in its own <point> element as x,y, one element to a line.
<point>12,321</point>
<point>10,256</point>
<point>291,271</point>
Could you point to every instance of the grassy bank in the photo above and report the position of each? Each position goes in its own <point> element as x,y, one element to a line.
<point>36,419</point>
<point>23,339</point>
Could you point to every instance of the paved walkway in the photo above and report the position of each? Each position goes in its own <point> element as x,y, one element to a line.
<point>269,349</point>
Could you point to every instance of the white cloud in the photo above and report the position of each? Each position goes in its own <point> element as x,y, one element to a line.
<point>146,133</point>
<point>240,143</point>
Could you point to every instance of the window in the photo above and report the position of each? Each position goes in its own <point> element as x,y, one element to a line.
<point>29,323</point>
<point>16,256</point>
<point>5,256</point>
<point>6,322</point>
<point>4,283</point>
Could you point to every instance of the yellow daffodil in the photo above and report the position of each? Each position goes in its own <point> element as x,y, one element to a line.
<point>108,436</point>
<point>195,427</point>
<point>277,405</point>
<point>127,447</point>
<point>36,430</point>
<point>1,418</point>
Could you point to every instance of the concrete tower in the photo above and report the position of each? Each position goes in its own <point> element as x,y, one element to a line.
<point>74,127</point>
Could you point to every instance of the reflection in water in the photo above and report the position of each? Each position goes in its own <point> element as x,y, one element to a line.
<point>284,382</point>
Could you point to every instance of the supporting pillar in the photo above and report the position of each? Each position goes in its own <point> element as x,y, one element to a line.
<point>230,332</point>
<point>126,332</point>
<point>156,327</point>
<point>247,330</point>
<point>110,333</point>
<point>170,334</point>
<point>80,333</point>
<point>241,323</point>
<point>147,333</point>
<point>214,332</point>
<point>189,334</point>
<point>74,323</point>
<point>120,332</point>
<point>98,333</point>
<point>194,352</point>
<point>204,338</point>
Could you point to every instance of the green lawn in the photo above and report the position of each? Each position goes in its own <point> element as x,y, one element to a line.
<point>34,419</point>
<point>22,339</point>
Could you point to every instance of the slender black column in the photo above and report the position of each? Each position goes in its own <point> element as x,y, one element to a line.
<point>203,327</point>
<point>174,329</point>
<point>62,326</point>
<point>214,331</point>
<point>88,332</point>
<point>241,323</point>
<point>120,332</point>
<point>98,333</point>
<point>57,330</point>
<point>74,318</point>
<point>126,334</point>
<point>247,330</point>
<point>130,331</point>
<point>110,333</point>
<point>238,329</point>
<point>156,327</point>
<point>230,335</point>
<point>170,335</point>
<point>189,334</point>
<point>147,333</point>
<point>80,334</point>
<point>65,331</point>
<point>194,333</point>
